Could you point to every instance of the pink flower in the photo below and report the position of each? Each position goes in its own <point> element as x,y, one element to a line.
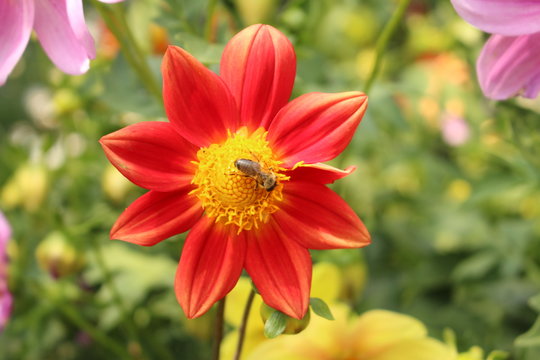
<point>509,63</point>
<point>455,130</point>
<point>5,296</point>
<point>60,28</point>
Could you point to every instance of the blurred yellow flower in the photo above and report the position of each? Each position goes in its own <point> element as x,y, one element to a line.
<point>374,335</point>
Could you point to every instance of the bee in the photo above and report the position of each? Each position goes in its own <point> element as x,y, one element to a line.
<point>253,169</point>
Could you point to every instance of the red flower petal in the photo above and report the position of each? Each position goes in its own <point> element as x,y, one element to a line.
<point>211,264</point>
<point>197,101</point>
<point>316,127</point>
<point>318,218</point>
<point>259,66</point>
<point>152,155</point>
<point>319,173</point>
<point>280,269</point>
<point>156,216</point>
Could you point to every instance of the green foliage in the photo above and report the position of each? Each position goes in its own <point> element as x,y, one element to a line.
<point>320,308</point>
<point>275,325</point>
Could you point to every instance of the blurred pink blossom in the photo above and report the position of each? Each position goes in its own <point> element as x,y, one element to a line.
<point>455,130</point>
<point>59,26</point>
<point>509,63</point>
<point>5,296</point>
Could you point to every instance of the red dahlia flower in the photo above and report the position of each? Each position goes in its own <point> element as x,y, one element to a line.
<point>239,165</point>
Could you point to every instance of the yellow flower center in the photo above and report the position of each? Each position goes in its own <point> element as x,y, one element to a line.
<point>239,181</point>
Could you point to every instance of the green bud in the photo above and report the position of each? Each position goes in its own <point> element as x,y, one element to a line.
<point>57,256</point>
<point>283,324</point>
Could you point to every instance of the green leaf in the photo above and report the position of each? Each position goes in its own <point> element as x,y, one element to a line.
<point>275,325</point>
<point>320,308</point>
<point>498,355</point>
<point>531,338</point>
<point>534,302</point>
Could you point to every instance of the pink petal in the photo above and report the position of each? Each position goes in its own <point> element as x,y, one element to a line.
<point>6,302</point>
<point>5,235</point>
<point>151,154</point>
<point>197,101</point>
<point>316,127</point>
<point>280,269</point>
<point>111,1</point>
<point>259,66</point>
<point>319,173</point>
<point>504,17</point>
<point>318,218</point>
<point>508,66</point>
<point>16,19</point>
<point>62,32</point>
<point>156,216</point>
<point>210,266</point>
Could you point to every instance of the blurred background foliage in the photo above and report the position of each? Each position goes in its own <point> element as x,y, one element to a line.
<point>447,181</point>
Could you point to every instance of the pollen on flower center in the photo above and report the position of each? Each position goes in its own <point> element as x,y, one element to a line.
<point>239,194</point>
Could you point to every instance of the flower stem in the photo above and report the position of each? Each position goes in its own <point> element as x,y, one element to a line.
<point>243,325</point>
<point>115,18</point>
<point>106,341</point>
<point>117,298</point>
<point>382,42</point>
<point>218,329</point>
<point>208,35</point>
<point>74,315</point>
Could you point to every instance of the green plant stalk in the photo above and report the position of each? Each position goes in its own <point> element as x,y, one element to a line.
<point>74,316</point>
<point>218,329</point>
<point>117,298</point>
<point>115,19</point>
<point>211,8</point>
<point>383,40</point>
<point>243,325</point>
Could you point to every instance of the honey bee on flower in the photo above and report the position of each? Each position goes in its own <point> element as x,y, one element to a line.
<point>265,178</point>
<point>186,164</point>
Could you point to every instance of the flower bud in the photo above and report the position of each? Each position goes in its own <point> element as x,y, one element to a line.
<point>57,256</point>
<point>293,326</point>
<point>159,39</point>
<point>27,187</point>
<point>254,12</point>
<point>66,101</point>
<point>114,184</point>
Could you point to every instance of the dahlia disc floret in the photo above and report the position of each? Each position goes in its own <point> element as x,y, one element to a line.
<point>240,166</point>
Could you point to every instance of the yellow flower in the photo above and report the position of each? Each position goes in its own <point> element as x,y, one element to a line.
<point>374,335</point>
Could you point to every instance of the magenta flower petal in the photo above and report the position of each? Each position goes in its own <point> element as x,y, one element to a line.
<point>5,234</point>
<point>16,19</point>
<point>62,32</point>
<point>504,17</point>
<point>508,66</point>
<point>5,297</point>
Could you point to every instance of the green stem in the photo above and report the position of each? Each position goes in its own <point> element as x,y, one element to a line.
<point>75,317</point>
<point>243,325</point>
<point>218,329</point>
<point>115,18</point>
<point>209,18</point>
<point>382,42</point>
<point>117,298</point>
